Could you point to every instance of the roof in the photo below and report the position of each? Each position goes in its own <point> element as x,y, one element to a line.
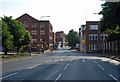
<point>27,15</point>
<point>44,21</point>
<point>60,32</point>
<point>92,21</point>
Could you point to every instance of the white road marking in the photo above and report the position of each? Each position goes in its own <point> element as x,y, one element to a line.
<point>83,60</point>
<point>52,74</point>
<point>66,66</point>
<point>70,60</point>
<point>48,60</point>
<point>58,76</point>
<point>56,60</point>
<point>33,66</point>
<point>8,75</point>
<point>114,78</point>
<point>94,61</point>
<point>101,67</point>
<point>61,59</point>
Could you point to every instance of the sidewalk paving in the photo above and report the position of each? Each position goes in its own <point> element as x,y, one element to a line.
<point>114,57</point>
<point>13,59</point>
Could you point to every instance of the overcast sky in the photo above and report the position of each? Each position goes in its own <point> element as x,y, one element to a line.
<point>64,14</point>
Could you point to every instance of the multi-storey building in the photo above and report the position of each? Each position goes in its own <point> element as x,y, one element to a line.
<point>60,39</point>
<point>54,41</point>
<point>40,30</point>
<point>90,38</point>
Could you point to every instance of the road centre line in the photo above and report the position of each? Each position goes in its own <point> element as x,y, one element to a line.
<point>58,76</point>
<point>52,74</point>
<point>8,75</point>
<point>70,60</point>
<point>61,59</point>
<point>94,61</point>
<point>101,67</point>
<point>33,66</point>
<point>83,60</point>
<point>114,78</point>
<point>66,66</point>
<point>56,60</point>
<point>48,60</point>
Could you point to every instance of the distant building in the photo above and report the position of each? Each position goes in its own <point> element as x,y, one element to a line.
<point>40,30</point>
<point>60,39</point>
<point>54,41</point>
<point>90,38</point>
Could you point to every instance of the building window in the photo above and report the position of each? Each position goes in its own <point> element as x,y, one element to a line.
<point>41,39</point>
<point>93,27</point>
<point>25,23</point>
<point>42,25</point>
<point>104,36</point>
<point>34,32</point>
<point>33,25</point>
<point>34,41</point>
<point>50,41</point>
<point>93,36</point>
<point>93,47</point>
<point>90,47</point>
<point>42,32</point>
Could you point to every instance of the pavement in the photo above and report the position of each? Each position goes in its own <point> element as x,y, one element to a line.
<point>113,57</point>
<point>62,65</point>
<point>19,58</point>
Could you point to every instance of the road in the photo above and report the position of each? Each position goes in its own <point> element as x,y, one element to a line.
<point>64,64</point>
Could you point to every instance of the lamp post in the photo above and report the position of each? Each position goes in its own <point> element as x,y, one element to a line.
<point>43,17</point>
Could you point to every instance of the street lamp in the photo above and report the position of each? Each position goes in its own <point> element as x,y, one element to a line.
<point>43,17</point>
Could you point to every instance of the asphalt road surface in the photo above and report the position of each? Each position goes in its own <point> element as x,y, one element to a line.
<point>64,64</point>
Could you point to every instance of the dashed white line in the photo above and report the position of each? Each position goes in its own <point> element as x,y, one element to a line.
<point>94,61</point>
<point>83,60</point>
<point>114,78</point>
<point>33,66</point>
<point>61,59</point>
<point>66,66</point>
<point>101,67</point>
<point>56,60</point>
<point>49,60</point>
<point>8,75</point>
<point>70,60</point>
<point>52,74</point>
<point>58,76</point>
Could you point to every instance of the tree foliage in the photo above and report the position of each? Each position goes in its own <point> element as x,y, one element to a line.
<point>21,37</point>
<point>72,38</point>
<point>7,38</point>
<point>111,16</point>
<point>110,22</point>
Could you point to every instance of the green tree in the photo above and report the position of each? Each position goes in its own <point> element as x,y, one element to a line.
<point>111,16</point>
<point>72,38</point>
<point>18,31</point>
<point>7,38</point>
<point>27,39</point>
<point>110,22</point>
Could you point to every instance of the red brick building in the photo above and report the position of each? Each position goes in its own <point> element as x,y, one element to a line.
<point>90,38</point>
<point>60,39</point>
<point>40,30</point>
<point>54,41</point>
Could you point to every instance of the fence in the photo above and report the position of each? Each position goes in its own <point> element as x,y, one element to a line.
<point>112,47</point>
